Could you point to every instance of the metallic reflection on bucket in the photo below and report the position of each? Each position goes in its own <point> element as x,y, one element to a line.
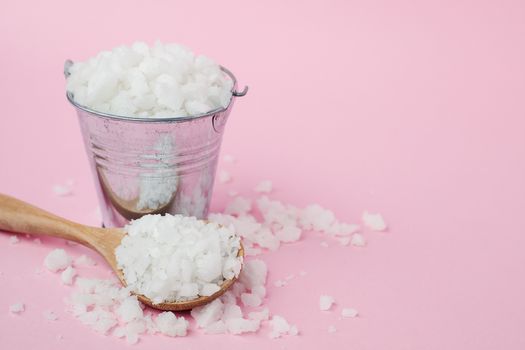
<point>152,165</point>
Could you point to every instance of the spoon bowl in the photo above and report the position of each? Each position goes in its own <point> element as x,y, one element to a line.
<point>20,217</point>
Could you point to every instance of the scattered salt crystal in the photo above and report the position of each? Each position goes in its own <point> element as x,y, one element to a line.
<point>358,240</point>
<point>345,241</point>
<point>171,325</point>
<point>13,239</point>
<point>208,314</point>
<point>242,325</point>
<point>349,312</point>
<point>259,290</point>
<point>50,315</point>
<point>228,158</point>
<point>317,218</point>
<point>17,308</point>
<point>84,260</point>
<point>262,315</point>
<point>224,177</point>
<point>130,309</point>
<point>279,326</point>
<point>67,275</point>
<point>289,234</point>
<point>264,187</point>
<point>253,273</point>
<point>279,283</point>
<point>332,329</point>
<point>324,244</point>
<point>374,222</point>
<point>293,330</point>
<point>63,190</point>
<point>249,299</point>
<point>57,260</point>
<point>325,302</point>
<point>218,327</point>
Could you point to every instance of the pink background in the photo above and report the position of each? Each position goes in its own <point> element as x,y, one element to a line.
<point>414,109</point>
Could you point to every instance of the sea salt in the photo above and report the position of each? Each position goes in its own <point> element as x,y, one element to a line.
<point>50,315</point>
<point>173,258</point>
<point>358,240</point>
<point>171,325</point>
<point>326,302</point>
<point>13,239</point>
<point>65,189</point>
<point>374,222</point>
<point>67,275</point>
<point>57,260</point>
<point>17,308</point>
<point>349,312</point>
<point>162,80</point>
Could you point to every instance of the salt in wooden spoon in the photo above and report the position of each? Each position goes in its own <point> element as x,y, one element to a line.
<point>20,217</point>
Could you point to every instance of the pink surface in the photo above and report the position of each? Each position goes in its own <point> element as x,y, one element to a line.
<point>413,110</point>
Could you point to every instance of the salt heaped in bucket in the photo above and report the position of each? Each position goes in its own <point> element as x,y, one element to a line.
<point>164,80</point>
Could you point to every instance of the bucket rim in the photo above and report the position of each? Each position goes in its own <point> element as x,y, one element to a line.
<point>211,113</point>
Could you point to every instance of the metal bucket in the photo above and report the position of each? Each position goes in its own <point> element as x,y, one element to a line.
<point>152,165</point>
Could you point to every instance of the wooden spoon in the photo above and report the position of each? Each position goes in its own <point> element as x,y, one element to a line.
<point>18,216</point>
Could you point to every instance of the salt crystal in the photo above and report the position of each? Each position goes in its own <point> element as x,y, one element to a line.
<point>349,312</point>
<point>358,240</point>
<point>13,239</point>
<point>288,234</point>
<point>50,315</point>
<point>174,257</point>
<point>171,325</point>
<point>164,80</point>
<point>218,327</point>
<point>249,299</point>
<point>262,315</point>
<point>293,330</point>
<point>264,187</point>
<point>67,275</point>
<point>17,308</point>
<point>279,283</point>
<point>345,241</point>
<point>374,222</point>
<point>57,260</point>
<point>224,177</point>
<point>62,190</point>
<point>253,273</point>
<point>242,325</point>
<point>130,309</point>
<point>208,314</point>
<point>279,326</point>
<point>325,302</point>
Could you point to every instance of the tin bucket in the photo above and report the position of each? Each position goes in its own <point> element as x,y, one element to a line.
<point>152,165</point>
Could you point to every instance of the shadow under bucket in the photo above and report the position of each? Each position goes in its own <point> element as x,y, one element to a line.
<point>152,165</point>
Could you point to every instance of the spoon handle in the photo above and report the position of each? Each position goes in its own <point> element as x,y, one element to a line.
<point>21,217</point>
